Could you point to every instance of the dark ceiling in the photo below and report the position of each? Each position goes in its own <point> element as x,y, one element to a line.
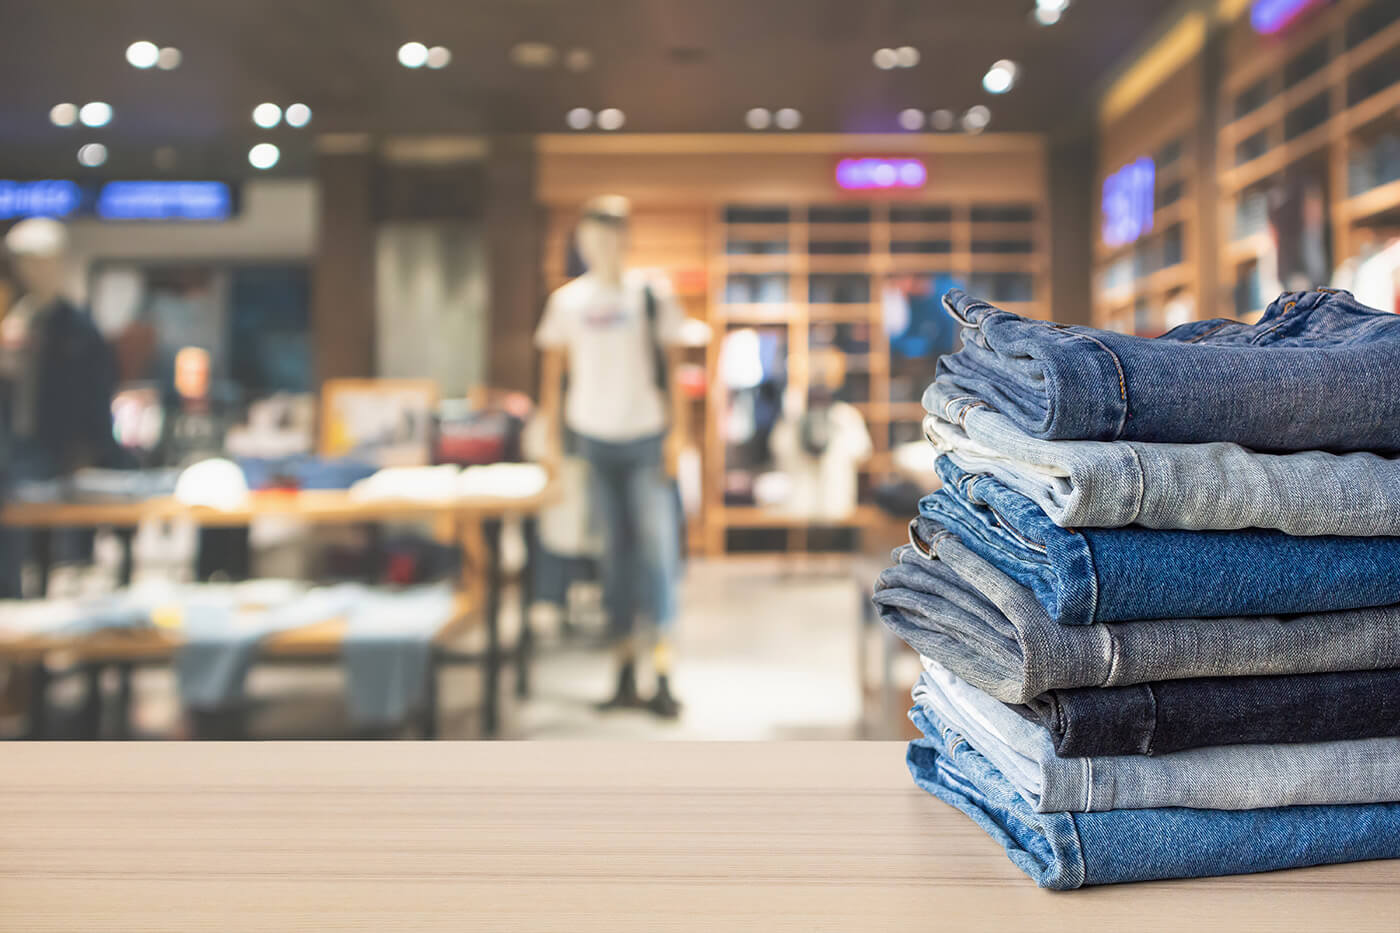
<point>670,65</point>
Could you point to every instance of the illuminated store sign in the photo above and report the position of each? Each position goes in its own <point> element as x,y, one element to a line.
<point>1271,16</point>
<point>1128,202</point>
<point>38,199</point>
<point>118,200</point>
<point>868,174</point>
<point>165,200</point>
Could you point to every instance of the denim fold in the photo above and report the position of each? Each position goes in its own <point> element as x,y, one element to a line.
<point>1196,487</point>
<point>949,604</point>
<point>1065,850</point>
<point>1174,715</point>
<point>1319,371</point>
<point>1121,574</point>
<point>1223,777</point>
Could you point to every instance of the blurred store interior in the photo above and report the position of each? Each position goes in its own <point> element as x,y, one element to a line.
<point>543,369</point>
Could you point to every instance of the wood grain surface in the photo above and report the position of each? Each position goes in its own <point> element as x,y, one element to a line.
<point>561,836</point>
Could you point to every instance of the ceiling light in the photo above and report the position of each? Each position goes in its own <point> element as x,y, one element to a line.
<point>906,56</point>
<point>976,119</point>
<point>885,59</point>
<point>911,119</point>
<point>942,119</point>
<point>578,60</point>
<point>95,113</point>
<point>580,118</point>
<point>1058,6</point>
<point>1000,77</point>
<point>142,54</point>
<point>1046,16</point>
<point>788,118</point>
<point>263,156</point>
<point>169,58</point>
<point>611,119</point>
<point>413,55</point>
<point>533,54</point>
<point>63,115</point>
<point>92,155</point>
<point>267,115</point>
<point>439,56</point>
<point>759,118</point>
<point>297,115</point>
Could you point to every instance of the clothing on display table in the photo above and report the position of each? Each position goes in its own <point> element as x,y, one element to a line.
<point>1319,371</point>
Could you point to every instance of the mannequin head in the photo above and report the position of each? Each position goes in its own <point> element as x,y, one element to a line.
<point>602,236</point>
<point>39,247</point>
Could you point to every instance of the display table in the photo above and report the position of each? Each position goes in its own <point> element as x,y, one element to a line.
<point>562,836</point>
<point>472,522</point>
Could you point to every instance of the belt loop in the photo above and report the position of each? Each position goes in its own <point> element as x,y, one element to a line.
<point>918,543</point>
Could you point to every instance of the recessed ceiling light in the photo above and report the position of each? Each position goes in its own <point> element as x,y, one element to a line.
<point>92,155</point>
<point>885,59</point>
<point>759,118</point>
<point>267,115</point>
<point>611,119</point>
<point>439,56</point>
<point>142,54</point>
<point>942,119</point>
<point>976,119</point>
<point>1059,6</point>
<point>911,119</point>
<point>263,156</point>
<point>1001,77</point>
<point>63,114</point>
<point>580,118</point>
<point>95,113</point>
<point>169,58</point>
<point>788,118</point>
<point>413,55</point>
<point>533,54</point>
<point>577,60</point>
<point>1046,16</point>
<point>297,115</point>
<point>906,56</point>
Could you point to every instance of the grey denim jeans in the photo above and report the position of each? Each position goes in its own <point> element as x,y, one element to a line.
<point>1198,487</point>
<point>1221,777</point>
<point>950,605</point>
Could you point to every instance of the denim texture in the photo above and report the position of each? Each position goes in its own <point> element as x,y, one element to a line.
<point>1198,487</point>
<point>1072,850</point>
<point>388,643</point>
<point>1319,371</point>
<point>1222,777</point>
<point>641,548</point>
<point>1121,574</point>
<point>1172,715</point>
<point>992,632</point>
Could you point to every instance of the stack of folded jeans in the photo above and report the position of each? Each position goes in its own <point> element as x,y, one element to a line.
<point>1158,594</point>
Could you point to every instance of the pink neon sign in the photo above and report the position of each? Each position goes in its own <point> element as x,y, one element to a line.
<point>875,174</point>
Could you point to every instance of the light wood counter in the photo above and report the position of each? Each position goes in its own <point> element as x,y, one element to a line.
<point>561,836</point>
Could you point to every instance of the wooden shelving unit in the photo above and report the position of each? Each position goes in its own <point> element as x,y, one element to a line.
<point>1314,99</point>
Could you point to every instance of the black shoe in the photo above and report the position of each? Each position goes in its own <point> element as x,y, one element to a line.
<point>626,696</point>
<point>663,704</point>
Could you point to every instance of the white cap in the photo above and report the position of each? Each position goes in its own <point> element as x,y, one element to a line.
<point>37,236</point>
<point>214,484</point>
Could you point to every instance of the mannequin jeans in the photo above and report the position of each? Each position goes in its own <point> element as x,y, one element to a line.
<point>633,500</point>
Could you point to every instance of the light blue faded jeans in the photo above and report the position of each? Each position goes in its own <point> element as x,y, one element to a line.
<point>1198,487</point>
<point>1071,850</point>
<point>1221,777</point>
<point>991,631</point>
<point>633,499</point>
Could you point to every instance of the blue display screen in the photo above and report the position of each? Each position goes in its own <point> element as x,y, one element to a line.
<point>1128,202</point>
<point>39,199</point>
<point>165,200</point>
<point>1270,16</point>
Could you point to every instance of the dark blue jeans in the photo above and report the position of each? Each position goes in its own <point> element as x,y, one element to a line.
<point>633,499</point>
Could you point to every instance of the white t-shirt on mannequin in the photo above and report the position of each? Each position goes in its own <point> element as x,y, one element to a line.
<point>612,394</point>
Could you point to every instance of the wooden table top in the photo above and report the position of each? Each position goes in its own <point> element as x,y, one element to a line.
<point>312,505</point>
<point>562,836</point>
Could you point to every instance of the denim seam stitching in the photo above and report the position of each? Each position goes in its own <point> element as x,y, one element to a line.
<point>1152,723</point>
<point>1140,481</point>
<point>1282,319</point>
<point>1113,655</point>
<point>1122,380</point>
<point>1204,335</point>
<point>1088,784</point>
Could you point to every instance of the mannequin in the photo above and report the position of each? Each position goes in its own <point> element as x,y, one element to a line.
<point>57,377</point>
<point>616,333</point>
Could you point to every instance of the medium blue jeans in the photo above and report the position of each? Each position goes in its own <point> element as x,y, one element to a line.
<point>641,545</point>
<point>1318,372</point>
<point>1083,576</point>
<point>1072,850</point>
